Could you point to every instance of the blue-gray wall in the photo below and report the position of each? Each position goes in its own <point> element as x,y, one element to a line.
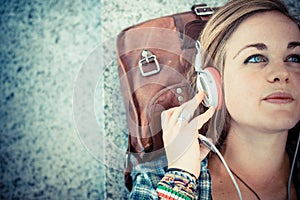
<point>62,124</point>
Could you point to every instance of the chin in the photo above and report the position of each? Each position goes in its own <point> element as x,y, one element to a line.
<point>285,118</point>
<point>284,124</point>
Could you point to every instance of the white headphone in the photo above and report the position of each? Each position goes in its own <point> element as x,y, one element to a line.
<point>209,81</point>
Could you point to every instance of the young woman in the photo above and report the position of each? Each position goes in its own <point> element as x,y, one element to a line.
<point>255,45</point>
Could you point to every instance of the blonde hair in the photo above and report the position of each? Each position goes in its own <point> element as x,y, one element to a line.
<point>213,41</point>
<point>226,20</point>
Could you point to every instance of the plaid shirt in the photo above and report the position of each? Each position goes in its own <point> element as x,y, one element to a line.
<point>146,178</point>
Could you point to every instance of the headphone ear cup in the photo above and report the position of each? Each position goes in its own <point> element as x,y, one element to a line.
<point>217,79</point>
<point>209,81</point>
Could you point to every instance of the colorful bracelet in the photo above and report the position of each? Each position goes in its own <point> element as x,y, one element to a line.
<point>167,193</point>
<point>184,173</point>
<point>177,184</point>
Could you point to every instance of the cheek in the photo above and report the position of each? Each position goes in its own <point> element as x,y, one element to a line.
<point>233,96</point>
<point>297,91</point>
<point>239,94</point>
<point>297,83</point>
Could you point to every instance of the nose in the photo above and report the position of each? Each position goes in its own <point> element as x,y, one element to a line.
<point>278,72</point>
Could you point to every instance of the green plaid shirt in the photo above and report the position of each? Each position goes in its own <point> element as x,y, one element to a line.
<point>146,178</point>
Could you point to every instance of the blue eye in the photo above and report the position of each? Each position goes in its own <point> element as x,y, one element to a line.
<point>293,58</point>
<point>255,59</point>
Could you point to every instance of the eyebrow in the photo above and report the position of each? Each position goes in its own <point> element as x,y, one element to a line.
<point>262,46</point>
<point>293,45</point>
<point>259,46</point>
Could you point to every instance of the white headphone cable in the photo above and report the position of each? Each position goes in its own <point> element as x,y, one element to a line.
<point>214,149</point>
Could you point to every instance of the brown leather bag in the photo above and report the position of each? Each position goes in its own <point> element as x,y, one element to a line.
<point>153,60</point>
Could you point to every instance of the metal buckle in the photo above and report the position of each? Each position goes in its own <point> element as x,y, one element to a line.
<point>203,10</point>
<point>148,57</point>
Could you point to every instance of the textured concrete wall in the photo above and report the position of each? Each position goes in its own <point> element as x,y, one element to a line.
<point>62,123</point>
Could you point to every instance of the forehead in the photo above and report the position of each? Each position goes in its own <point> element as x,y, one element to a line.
<point>271,28</point>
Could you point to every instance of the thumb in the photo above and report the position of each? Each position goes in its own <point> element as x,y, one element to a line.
<point>204,150</point>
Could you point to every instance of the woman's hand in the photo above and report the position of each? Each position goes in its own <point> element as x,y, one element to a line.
<point>180,135</point>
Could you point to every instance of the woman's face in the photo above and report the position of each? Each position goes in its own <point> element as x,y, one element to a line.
<point>262,73</point>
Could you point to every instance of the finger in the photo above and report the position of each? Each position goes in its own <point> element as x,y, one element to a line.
<point>190,107</point>
<point>166,115</point>
<point>204,150</point>
<point>198,121</point>
<point>193,104</point>
<point>175,115</point>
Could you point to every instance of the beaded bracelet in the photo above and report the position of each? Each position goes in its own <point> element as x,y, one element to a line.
<point>177,184</point>
<point>167,193</point>
<point>182,171</point>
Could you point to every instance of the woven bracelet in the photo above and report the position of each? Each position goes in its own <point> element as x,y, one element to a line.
<point>179,183</point>
<point>168,193</point>
<point>183,171</point>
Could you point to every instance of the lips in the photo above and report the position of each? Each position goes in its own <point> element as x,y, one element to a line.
<point>279,98</point>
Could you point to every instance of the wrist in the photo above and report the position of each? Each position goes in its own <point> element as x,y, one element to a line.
<point>192,171</point>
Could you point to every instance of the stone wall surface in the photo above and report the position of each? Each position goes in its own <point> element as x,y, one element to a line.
<point>62,121</point>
